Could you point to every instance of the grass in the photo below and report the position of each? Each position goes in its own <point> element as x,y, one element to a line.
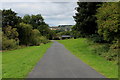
<point>83,50</point>
<point>18,63</point>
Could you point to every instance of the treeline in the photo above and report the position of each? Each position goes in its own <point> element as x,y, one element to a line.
<point>27,31</point>
<point>100,22</point>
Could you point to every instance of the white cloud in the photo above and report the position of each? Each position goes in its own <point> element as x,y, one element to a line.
<point>39,0</point>
<point>54,13</point>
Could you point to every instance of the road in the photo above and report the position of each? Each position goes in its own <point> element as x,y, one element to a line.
<point>58,62</point>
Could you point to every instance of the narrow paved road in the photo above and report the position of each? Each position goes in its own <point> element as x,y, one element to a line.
<point>58,62</point>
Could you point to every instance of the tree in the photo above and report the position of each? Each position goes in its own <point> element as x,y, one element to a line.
<point>34,20</point>
<point>24,31</point>
<point>37,22</point>
<point>10,18</point>
<point>11,33</point>
<point>9,43</point>
<point>85,18</point>
<point>0,18</point>
<point>35,37</point>
<point>27,19</point>
<point>108,20</point>
<point>44,30</point>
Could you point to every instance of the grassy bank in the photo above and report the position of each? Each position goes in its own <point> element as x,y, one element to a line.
<point>18,63</point>
<point>83,50</point>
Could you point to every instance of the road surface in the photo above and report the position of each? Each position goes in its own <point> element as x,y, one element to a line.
<point>58,62</point>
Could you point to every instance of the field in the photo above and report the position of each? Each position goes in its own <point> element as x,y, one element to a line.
<point>18,63</point>
<point>83,50</point>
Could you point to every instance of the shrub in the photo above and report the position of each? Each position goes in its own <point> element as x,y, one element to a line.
<point>106,51</point>
<point>101,49</point>
<point>108,20</point>
<point>43,39</point>
<point>97,38</point>
<point>0,39</point>
<point>9,43</point>
<point>10,32</point>
<point>111,55</point>
<point>35,40</point>
<point>24,31</point>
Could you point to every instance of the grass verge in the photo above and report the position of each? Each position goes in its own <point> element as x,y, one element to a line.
<point>83,50</point>
<point>18,63</point>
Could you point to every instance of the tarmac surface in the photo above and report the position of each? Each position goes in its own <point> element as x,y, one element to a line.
<point>58,62</point>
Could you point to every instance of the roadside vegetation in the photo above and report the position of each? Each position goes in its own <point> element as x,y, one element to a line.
<point>98,27</point>
<point>100,23</point>
<point>86,51</point>
<point>18,63</point>
<point>24,42</point>
<point>30,30</point>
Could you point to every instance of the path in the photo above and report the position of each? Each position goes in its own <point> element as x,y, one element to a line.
<point>58,62</point>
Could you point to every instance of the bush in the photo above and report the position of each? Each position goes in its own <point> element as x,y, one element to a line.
<point>101,49</point>
<point>35,40</point>
<point>97,38</point>
<point>43,40</point>
<point>106,51</point>
<point>108,20</point>
<point>0,39</point>
<point>9,43</point>
<point>24,31</point>
<point>111,55</point>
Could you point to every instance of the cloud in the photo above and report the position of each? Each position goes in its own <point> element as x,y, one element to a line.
<point>54,13</point>
<point>39,0</point>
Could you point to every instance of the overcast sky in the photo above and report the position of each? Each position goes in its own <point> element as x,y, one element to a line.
<point>54,13</point>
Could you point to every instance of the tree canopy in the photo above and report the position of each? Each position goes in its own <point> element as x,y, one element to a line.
<point>85,18</point>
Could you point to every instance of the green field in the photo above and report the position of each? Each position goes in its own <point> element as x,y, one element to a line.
<point>18,63</point>
<point>83,50</point>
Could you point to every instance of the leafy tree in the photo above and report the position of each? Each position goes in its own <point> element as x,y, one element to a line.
<point>27,19</point>
<point>24,31</point>
<point>10,32</point>
<point>34,20</point>
<point>0,18</point>
<point>37,22</point>
<point>10,18</point>
<point>35,37</point>
<point>9,43</point>
<point>108,19</point>
<point>44,30</point>
<point>85,19</point>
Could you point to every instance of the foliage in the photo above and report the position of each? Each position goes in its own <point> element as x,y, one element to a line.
<point>43,39</point>
<point>84,52</point>
<point>85,18</point>
<point>35,40</point>
<point>29,30</point>
<point>108,20</point>
<point>9,43</point>
<point>10,18</point>
<point>27,19</point>
<point>105,51</point>
<point>0,39</point>
<point>37,22</point>
<point>34,20</point>
<point>44,30</point>
<point>65,33</point>
<point>10,32</point>
<point>96,38</point>
<point>10,38</point>
<point>25,33</point>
